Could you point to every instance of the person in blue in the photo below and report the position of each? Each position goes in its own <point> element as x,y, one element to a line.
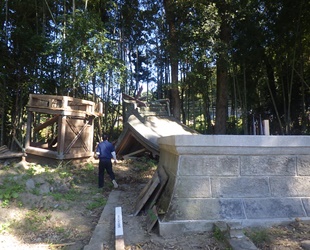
<point>105,151</point>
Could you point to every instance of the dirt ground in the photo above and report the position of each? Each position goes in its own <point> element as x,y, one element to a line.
<point>58,207</point>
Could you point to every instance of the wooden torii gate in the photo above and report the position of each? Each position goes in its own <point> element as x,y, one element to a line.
<point>60,127</point>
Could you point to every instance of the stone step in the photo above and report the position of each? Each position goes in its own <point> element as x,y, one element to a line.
<point>233,234</point>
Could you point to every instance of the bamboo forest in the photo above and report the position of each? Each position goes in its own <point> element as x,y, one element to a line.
<point>225,66</point>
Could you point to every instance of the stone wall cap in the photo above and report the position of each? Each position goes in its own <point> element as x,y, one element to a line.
<point>235,140</point>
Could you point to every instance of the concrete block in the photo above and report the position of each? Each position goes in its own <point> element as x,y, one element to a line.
<point>290,186</point>
<point>169,162</point>
<point>273,208</point>
<point>99,239</point>
<point>228,165</point>
<point>209,165</point>
<point>303,165</point>
<point>241,244</point>
<point>236,233</point>
<point>234,187</point>
<point>193,165</point>
<point>235,237</point>
<point>204,209</point>
<point>114,198</point>
<point>95,246</point>
<point>248,179</point>
<point>234,225</point>
<point>306,204</point>
<point>268,165</point>
<point>193,187</point>
<point>236,144</point>
<point>178,228</point>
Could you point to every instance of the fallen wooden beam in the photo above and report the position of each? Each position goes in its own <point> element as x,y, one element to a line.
<point>11,155</point>
<point>126,157</point>
<point>146,193</point>
<point>5,153</point>
<point>3,149</point>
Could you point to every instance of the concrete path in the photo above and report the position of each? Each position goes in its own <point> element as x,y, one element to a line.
<point>103,237</point>
<point>104,234</point>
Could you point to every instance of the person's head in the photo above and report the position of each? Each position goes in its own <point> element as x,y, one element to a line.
<point>105,137</point>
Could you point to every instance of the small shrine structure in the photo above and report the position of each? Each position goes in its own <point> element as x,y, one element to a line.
<point>60,127</point>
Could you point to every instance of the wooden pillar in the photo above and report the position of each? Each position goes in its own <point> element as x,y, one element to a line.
<point>61,136</point>
<point>28,131</point>
<point>91,136</point>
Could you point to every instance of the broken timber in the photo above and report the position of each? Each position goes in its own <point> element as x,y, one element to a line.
<point>150,193</point>
<point>145,123</point>
<point>5,153</point>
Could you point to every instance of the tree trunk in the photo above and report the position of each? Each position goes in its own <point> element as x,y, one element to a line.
<point>222,72</point>
<point>173,51</point>
<point>221,97</point>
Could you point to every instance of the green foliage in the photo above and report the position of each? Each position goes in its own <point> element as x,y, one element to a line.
<point>258,235</point>
<point>218,234</point>
<point>30,171</point>
<point>98,202</point>
<point>234,125</point>
<point>33,221</point>
<point>71,195</point>
<point>151,215</point>
<point>60,230</point>
<point>89,166</point>
<point>98,55</point>
<point>64,169</point>
<point>145,163</point>
<point>39,220</point>
<point>4,227</point>
<point>9,190</point>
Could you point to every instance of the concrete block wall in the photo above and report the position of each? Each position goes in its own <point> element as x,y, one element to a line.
<point>252,180</point>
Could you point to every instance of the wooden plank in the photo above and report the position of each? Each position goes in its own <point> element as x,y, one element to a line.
<point>9,155</point>
<point>152,195</point>
<point>3,149</point>
<point>126,157</point>
<point>5,153</point>
<point>28,130</point>
<point>77,136</point>
<point>41,152</point>
<point>119,230</point>
<point>61,134</point>
<point>146,193</point>
<point>152,215</point>
<point>163,177</point>
<point>45,124</point>
<point>61,105</point>
<point>18,143</point>
<point>60,111</point>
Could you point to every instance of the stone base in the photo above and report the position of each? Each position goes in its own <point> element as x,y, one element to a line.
<point>178,228</point>
<point>253,180</point>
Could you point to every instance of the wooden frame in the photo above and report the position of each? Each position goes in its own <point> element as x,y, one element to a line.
<point>60,127</point>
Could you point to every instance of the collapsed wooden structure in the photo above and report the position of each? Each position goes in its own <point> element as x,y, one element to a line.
<point>60,127</point>
<point>145,122</point>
